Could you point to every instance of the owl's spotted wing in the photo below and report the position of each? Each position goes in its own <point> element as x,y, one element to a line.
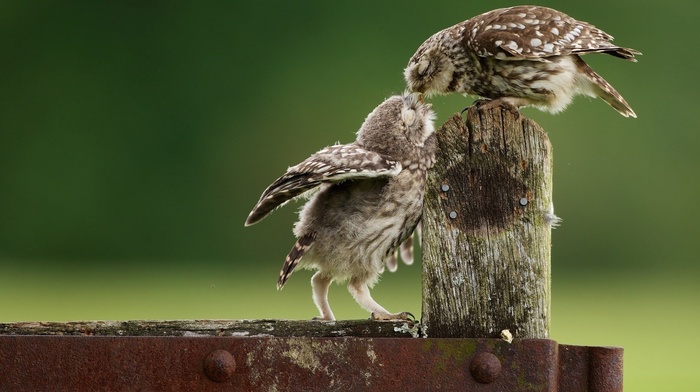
<point>332,164</point>
<point>535,33</point>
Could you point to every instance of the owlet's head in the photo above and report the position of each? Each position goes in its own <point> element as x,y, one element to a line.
<point>398,126</point>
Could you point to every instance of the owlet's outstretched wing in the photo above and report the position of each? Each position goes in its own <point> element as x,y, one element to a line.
<point>332,164</point>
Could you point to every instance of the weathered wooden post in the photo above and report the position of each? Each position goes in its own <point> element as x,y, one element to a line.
<point>487,227</point>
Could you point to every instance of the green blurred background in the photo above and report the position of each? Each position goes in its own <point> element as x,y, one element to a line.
<point>135,138</point>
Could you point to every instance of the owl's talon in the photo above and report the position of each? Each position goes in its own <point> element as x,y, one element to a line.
<point>489,104</point>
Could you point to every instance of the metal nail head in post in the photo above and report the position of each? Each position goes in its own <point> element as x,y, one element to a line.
<point>445,187</point>
<point>219,365</point>
<point>523,201</point>
<point>453,214</point>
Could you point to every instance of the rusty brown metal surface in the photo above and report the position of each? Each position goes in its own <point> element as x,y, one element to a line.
<point>103,363</point>
<point>596,369</point>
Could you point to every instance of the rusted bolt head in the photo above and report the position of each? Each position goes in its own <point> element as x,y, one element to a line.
<point>485,367</point>
<point>219,365</point>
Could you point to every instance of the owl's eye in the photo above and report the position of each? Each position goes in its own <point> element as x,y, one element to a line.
<point>423,67</point>
<point>408,117</point>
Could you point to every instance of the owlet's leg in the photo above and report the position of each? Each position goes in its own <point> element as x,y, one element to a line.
<point>319,286</point>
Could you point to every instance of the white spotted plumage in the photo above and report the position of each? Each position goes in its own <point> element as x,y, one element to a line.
<point>524,55</point>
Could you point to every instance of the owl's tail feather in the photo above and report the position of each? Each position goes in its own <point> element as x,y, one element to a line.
<point>606,92</point>
<point>294,257</point>
<point>624,53</point>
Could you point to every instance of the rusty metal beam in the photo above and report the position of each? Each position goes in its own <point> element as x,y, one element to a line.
<point>209,363</point>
